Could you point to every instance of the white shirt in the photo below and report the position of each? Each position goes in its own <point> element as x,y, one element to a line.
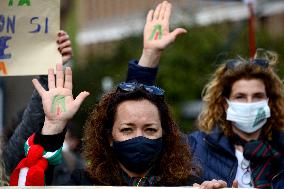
<point>243,175</point>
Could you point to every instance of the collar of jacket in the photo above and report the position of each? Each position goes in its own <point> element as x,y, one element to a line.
<point>219,141</point>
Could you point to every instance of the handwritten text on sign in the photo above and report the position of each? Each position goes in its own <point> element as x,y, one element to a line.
<point>28,30</point>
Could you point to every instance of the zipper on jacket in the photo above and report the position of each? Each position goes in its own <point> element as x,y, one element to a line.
<point>212,145</point>
<point>231,173</point>
<point>216,147</point>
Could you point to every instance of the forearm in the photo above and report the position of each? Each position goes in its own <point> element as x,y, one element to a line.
<point>150,58</point>
<point>53,127</point>
<point>144,71</point>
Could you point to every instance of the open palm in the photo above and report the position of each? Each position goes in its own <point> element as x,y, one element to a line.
<point>58,102</point>
<point>156,31</point>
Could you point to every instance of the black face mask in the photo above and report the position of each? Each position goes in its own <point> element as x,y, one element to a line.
<point>138,154</point>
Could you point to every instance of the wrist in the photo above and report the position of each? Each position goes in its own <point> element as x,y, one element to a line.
<point>52,127</point>
<point>150,58</point>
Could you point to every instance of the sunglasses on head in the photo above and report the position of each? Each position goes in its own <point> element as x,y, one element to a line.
<point>132,86</point>
<point>233,63</point>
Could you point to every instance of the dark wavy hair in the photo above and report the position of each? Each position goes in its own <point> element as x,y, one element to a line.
<point>174,166</point>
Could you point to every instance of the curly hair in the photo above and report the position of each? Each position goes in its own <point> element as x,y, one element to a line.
<point>174,166</point>
<point>219,88</point>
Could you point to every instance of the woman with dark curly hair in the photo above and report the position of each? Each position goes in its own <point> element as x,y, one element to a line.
<point>153,151</point>
<point>130,138</point>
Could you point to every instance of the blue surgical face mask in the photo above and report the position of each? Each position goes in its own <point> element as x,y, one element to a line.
<point>248,117</point>
<point>138,154</point>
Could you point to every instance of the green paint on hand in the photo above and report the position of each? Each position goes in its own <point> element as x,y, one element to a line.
<point>157,32</point>
<point>58,104</point>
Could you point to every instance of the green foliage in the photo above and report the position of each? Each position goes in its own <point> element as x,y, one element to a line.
<point>185,67</point>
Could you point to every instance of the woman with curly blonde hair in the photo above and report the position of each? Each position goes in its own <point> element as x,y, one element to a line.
<point>218,90</point>
<point>241,136</point>
<point>242,123</point>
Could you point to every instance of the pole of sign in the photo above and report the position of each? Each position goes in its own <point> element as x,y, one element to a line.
<point>251,31</point>
<point>251,27</point>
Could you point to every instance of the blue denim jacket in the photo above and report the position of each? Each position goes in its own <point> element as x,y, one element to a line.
<point>216,155</point>
<point>213,152</point>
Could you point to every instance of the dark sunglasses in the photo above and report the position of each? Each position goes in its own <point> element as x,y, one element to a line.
<point>132,86</point>
<point>233,63</point>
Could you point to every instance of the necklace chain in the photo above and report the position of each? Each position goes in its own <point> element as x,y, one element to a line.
<point>139,181</point>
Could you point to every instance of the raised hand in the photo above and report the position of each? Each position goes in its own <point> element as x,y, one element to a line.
<point>64,46</point>
<point>58,103</point>
<point>156,31</point>
<point>157,35</point>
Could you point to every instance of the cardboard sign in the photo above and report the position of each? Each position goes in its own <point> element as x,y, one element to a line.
<point>28,30</point>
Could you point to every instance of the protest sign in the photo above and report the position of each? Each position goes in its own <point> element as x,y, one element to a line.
<point>28,30</point>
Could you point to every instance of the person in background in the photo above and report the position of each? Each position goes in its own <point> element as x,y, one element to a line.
<point>71,154</point>
<point>241,127</point>
<point>33,115</point>
<point>243,118</point>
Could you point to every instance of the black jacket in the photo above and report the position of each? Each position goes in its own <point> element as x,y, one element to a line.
<point>32,121</point>
<point>81,177</point>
